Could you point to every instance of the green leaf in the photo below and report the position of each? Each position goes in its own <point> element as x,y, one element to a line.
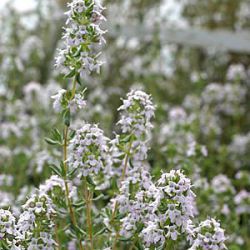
<point>72,172</point>
<point>124,239</point>
<point>72,134</point>
<point>4,245</point>
<point>51,141</point>
<point>121,156</point>
<point>56,170</point>
<point>78,79</point>
<point>62,169</point>
<point>139,245</point>
<point>70,74</point>
<point>139,227</point>
<point>90,181</point>
<point>98,197</point>
<point>56,135</point>
<point>119,216</point>
<point>80,204</point>
<point>77,53</point>
<point>78,231</point>
<point>125,139</point>
<point>100,231</point>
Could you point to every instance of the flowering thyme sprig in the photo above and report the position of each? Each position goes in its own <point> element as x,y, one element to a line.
<point>135,123</point>
<point>136,113</point>
<point>157,213</point>
<point>88,150</point>
<point>209,235</point>
<point>35,227</point>
<point>83,31</point>
<point>7,227</point>
<point>65,100</point>
<point>86,154</point>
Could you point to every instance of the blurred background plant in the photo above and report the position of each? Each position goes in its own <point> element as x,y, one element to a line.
<point>202,117</point>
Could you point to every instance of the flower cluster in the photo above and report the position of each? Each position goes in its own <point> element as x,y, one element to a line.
<point>177,199</point>
<point>220,191</point>
<point>157,212</point>
<point>43,241</point>
<point>177,141</point>
<point>38,211</point>
<point>34,227</point>
<point>152,235</point>
<point>222,184</point>
<point>7,224</point>
<point>236,72</point>
<point>58,100</point>
<point>209,236</point>
<point>225,99</point>
<point>82,32</point>
<point>238,150</point>
<point>137,111</point>
<point>135,193</point>
<point>77,102</point>
<point>55,186</point>
<point>88,150</point>
<point>242,201</point>
<point>135,123</point>
<point>63,100</point>
<point>35,223</point>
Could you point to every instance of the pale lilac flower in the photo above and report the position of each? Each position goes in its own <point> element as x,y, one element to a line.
<point>79,35</point>
<point>236,72</point>
<point>152,235</point>
<point>137,112</point>
<point>88,150</point>
<point>58,98</point>
<point>7,224</point>
<point>209,236</point>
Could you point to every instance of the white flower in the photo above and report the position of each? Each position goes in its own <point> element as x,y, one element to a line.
<point>221,184</point>
<point>236,71</point>
<point>57,104</point>
<point>224,99</point>
<point>172,232</point>
<point>178,114</point>
<point>137,112</point>
<point>88,150</point>
<point>135,122</point>
<point>61,102</point>
<point>177,193</point>
<point>7,223</point>
<point>78,102</point>
<point>56,181</point>
<point>242,201</point>
<point>25,222</point>
<point>209,235</point>
<point>152,235</point>
<point>82,32</point>
<point>45,241</point>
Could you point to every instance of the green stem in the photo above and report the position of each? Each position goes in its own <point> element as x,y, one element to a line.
<point>65,157</point>
<point>57,237</point>
<point>116,204</point>
<point>88,200</point>
<point>73,91</point>
<point>69,203</point>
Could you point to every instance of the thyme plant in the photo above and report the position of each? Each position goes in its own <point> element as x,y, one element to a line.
<point>102,194</point>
